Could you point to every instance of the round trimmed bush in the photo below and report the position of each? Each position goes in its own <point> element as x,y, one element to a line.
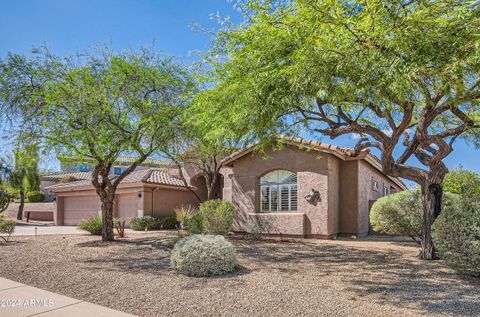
<point>456,236</point>
<point>203,255</point>
<point>401,213</point>
<point>35,197</point>
<point>398,214</point>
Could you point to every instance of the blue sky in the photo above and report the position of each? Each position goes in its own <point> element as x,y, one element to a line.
<point>67,26</point>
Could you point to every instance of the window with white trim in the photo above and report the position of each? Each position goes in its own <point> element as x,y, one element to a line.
<point>386,191</point>
<point>278,191</point>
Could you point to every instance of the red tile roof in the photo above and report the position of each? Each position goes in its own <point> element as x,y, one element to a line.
<point>64,175</point>
<point>147,176</point>
<point>344,153</point>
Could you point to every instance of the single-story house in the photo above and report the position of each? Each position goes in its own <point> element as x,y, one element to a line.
<point>303,189</point>
<point>306,189</point>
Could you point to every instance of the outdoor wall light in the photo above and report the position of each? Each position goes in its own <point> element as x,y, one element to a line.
<point>139,195</point>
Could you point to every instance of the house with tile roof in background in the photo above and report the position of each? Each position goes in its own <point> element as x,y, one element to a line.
<point>302,189</point>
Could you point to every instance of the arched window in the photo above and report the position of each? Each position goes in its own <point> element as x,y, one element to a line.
<point>278,191</point>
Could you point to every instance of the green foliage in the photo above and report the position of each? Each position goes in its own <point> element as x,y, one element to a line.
<point>35,197</point>
<point>203,255</point>
<point>401,213</point>
<point>164,222</point>
<point>195,225</point>
<point>343,52</point>
<point>398,214</point>
<point>462,182</point>
<point>23,175</point>
<point>7,227</point>
<point>142,223</point>
<point>93,225</point>
<point>456,235</point>
<point>217,216</point>
<point>4,200</point>
<point>97,106</point>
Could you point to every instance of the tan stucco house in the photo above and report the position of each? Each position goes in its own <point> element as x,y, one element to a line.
<point>303,189</point>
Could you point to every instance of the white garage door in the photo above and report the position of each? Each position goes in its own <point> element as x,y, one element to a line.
<point>77,209</point>
<point>127,207</point>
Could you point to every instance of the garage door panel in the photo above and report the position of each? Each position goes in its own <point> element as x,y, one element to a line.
<point>77,209</point>
<point>127,207</point>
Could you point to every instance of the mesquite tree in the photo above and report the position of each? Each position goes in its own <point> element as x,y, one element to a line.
<point>402,74</point>
<point>97,106</point>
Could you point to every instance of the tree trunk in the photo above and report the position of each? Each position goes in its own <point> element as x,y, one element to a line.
<point>431,202</point>
<point>107,217</point>
<point>22,205</point>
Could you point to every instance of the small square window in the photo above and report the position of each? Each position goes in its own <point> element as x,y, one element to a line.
<point>119,170</point>
<point>386,191</point>
<point>375,185</point>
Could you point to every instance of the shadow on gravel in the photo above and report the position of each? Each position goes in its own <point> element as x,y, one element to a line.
<point>390,275</point>
<point>386,276</point>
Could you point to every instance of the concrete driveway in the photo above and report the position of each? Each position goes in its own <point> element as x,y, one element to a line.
<point>41,229</point>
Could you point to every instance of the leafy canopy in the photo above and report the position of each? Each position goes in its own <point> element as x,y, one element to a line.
<point>99,105</point>
<point>384,69</point>
<point>462,182</point>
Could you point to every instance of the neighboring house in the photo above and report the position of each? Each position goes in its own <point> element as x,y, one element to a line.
<point>74,170</point>
<point>305,189</point>
<point>146,192</point>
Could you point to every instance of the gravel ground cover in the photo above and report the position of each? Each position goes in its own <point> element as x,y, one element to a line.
<point>302,278</point>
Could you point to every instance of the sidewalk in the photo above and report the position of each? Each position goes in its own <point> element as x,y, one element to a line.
<point>20,300</point>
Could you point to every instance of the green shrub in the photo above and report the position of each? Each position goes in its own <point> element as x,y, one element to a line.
<point>195,224</point>
<point>401,213</point>
<point>166,222</point>
<point>456,236</point>
<point>92,225</point>
<point>217,216</point>
<point>398,214</point>
<point>203,255</point>
<point>35,197</point>
<point>7,227</point>
<point>163,222</point>
<point>142,223</point>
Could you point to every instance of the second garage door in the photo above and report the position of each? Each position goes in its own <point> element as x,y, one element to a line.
<point>77,209</point>
<point>127,207</point>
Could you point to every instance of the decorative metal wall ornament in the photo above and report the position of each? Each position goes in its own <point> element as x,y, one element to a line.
<point>313,197</point>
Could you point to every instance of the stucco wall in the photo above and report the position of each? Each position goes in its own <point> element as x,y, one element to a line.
<point>166,200</point>
<point>366,193</point>
<point>241,186</point>
<point>348,197</point>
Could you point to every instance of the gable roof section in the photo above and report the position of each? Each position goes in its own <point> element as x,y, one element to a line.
<point>148,176</point>
<point>120,160</point>
<point>343,153</point>
<point>61,175</point>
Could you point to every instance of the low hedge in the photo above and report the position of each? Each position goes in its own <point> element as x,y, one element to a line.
<point>35,197</point>
<point>164,222</point>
